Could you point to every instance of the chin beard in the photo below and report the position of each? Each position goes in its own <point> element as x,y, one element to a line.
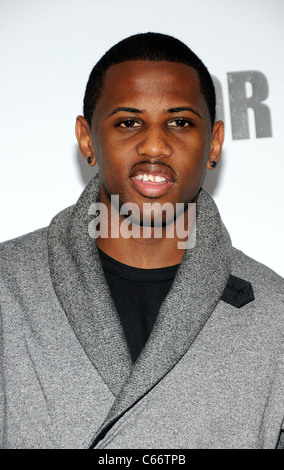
<point>150,214</point>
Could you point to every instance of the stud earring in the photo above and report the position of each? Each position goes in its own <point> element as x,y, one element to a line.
<point>89,160</point>
<point>213,164</point>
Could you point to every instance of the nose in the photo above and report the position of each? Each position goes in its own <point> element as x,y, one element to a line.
<point>154,143</point>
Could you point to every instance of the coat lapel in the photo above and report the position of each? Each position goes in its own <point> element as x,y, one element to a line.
<point>83,292</point>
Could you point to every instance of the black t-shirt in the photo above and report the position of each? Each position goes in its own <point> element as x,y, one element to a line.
<point>137,295</point>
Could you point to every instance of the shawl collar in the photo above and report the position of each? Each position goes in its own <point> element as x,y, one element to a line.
<point>80,285</point>
<point>82,290</point>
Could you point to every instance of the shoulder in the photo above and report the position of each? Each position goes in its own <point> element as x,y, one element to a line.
<point>22,254</point>
<point>33,246</point>
<point>27,243</point>
<point>24,261</point>
<point>268,286</point>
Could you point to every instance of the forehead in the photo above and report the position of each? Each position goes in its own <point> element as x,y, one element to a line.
<point>149,83</point>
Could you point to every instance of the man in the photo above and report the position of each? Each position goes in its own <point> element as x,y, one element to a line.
<point>116,331</point>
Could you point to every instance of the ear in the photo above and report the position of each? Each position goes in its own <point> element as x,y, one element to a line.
<point>85,140</point>
<point>216,144</point>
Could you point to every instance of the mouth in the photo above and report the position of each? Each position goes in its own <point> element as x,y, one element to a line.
<point>152,180</point>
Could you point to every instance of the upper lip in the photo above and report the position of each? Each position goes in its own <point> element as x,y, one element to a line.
<point>160,169</point>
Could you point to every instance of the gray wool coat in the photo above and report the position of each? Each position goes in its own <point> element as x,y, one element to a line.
<point>210,376</point>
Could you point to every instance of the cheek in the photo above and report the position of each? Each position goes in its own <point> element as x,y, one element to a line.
<point>108,151</point>
<point>111,165</point>
<point>194,155</point>
<point>196,141</point>
<point>192,168</point>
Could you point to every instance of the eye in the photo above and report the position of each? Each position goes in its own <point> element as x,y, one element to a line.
<point>128,123</point>
<point>180,123</point>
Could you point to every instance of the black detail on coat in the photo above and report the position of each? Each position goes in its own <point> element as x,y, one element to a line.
<point>237,292</point>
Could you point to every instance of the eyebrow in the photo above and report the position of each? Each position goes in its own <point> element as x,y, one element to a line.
<point>138,111</point>
<point>124,108</point>
<point>184,108</point>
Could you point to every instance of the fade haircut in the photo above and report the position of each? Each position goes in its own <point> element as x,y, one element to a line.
<point>152,47</point>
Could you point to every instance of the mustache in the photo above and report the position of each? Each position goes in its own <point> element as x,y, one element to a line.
<point>154,162</point>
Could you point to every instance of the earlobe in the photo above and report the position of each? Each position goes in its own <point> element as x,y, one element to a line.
<point>217,140</point>
<point>85,140</point>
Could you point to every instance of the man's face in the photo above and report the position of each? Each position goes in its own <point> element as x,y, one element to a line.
<point>151,133</point>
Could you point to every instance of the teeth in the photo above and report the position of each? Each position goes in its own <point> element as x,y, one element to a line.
<point>152,178</point>
<point>159,179</point>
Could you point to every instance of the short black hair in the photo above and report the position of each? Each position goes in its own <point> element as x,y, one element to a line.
<point>153,47</point>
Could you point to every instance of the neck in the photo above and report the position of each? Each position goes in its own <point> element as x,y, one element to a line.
<point>139,253</point>
<point>145,247</point>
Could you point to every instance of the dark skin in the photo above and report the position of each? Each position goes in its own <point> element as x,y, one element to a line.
<point>151,118</point>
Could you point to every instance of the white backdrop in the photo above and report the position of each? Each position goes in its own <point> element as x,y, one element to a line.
<point>47,50</point>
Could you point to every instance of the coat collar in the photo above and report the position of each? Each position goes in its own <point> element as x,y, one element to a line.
<point>80,285</point>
